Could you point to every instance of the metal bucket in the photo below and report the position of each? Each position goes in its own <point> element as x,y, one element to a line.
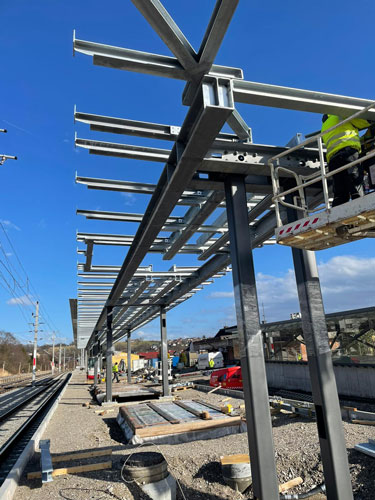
<point>150,471</point>
<point>145,467</point>
<point>237,476</point>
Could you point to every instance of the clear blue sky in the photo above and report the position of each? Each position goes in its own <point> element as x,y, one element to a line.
<point>326,47</point>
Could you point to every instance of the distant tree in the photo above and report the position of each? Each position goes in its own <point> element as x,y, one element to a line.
<point>13,355</point>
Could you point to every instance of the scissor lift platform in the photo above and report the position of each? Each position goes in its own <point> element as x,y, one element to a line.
<point>350,221</point>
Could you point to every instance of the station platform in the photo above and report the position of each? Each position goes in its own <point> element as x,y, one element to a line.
<point>80,425</point>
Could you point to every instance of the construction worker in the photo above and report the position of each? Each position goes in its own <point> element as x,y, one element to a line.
<point>344,146</point>
<point>211,364</point>
<point>115,372</point>
<point>368,144</point>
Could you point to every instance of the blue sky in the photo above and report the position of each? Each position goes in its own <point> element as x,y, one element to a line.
<point>286,43</point>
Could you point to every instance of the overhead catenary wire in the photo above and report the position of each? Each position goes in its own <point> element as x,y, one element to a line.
<point>28,285</point>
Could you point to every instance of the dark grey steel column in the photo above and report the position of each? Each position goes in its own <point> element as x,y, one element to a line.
<point>129,358</point>
<point>96,370</point>
<point>258,417</point>
<point>323,382</point>
<point>108,376</point>
<point>164,351</point>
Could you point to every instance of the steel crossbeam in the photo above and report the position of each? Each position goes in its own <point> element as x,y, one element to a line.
<point>172,224</point>
<point>239,158</point>
<point>143,62</point>
<point>137,128</point>
<point>187,198</point>
<point>276,96</point>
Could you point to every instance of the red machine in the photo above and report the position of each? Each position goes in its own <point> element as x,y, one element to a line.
<point>229,378</point>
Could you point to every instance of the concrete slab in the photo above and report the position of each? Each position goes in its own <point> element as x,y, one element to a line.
<point>127,392</point>
<point>175,421</point>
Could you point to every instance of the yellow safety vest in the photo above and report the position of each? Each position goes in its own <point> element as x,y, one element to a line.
<point>115,368</point>
<point>343,136</point>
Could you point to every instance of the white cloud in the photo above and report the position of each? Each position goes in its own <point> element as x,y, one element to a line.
<point>129,198</point>
<point>347,282</point>
<point>24,300</point>
<point>9,225</point>
<point>221,295</point>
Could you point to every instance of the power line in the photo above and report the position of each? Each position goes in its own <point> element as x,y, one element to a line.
<point>28,281</point>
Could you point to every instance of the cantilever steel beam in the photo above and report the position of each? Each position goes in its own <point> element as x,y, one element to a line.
<point>187,198</point>
<point>172,224</point>
<point>238,158</point>
<point>276,96</point>
<point>137,128</point>
<point>143,62</point>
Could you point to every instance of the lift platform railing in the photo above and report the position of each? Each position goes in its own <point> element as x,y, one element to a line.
<point>303,181</point>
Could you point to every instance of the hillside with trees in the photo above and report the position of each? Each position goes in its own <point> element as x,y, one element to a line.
<point>13,355</point>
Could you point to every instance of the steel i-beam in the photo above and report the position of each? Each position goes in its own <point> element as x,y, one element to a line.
<point>164,351</point>
<point>258,418</point>
<point>129,345</point>
<point>109,352</point>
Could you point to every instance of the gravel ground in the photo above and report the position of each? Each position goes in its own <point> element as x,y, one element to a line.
<point>196,464</point>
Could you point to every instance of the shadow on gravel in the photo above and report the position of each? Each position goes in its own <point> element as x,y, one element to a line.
<point>192,494</point>
<point>281,420</point>
<point>115,432</point>
<point>211,473</point>
<point>362,468</point>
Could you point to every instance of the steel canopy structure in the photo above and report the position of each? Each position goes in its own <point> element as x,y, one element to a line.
<point>206,170</point>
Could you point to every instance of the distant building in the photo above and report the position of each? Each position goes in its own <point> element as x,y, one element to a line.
<point>351,336</point>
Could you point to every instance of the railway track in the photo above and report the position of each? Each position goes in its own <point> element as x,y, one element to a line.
<point>20,418</point>
<point>13,382</point>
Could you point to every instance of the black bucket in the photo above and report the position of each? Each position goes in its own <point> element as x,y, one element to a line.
<point>145,467</point>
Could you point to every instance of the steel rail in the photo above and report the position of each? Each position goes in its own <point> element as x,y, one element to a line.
<point>6,447</point>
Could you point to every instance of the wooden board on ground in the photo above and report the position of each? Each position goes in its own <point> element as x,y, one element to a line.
<point>290,484</point>
<point>81,455</point>
<point>182,388</point>
<point>73,470</point>
<point>363,422</point>
<point>239,458</point>
<point>214,389</point>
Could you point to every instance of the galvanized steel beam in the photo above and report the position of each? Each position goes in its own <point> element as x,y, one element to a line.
<point>276,96</point>
<point>258,418</point>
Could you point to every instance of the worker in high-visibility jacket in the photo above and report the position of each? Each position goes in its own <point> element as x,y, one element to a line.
<point>115,372</point>
<point>211,364</point>
<point>344,146</point>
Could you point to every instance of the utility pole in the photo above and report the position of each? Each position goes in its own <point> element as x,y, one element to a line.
<point>60,358</point>
<point>53,353</point>
<point>36,324</point>
<point>64,361</point>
